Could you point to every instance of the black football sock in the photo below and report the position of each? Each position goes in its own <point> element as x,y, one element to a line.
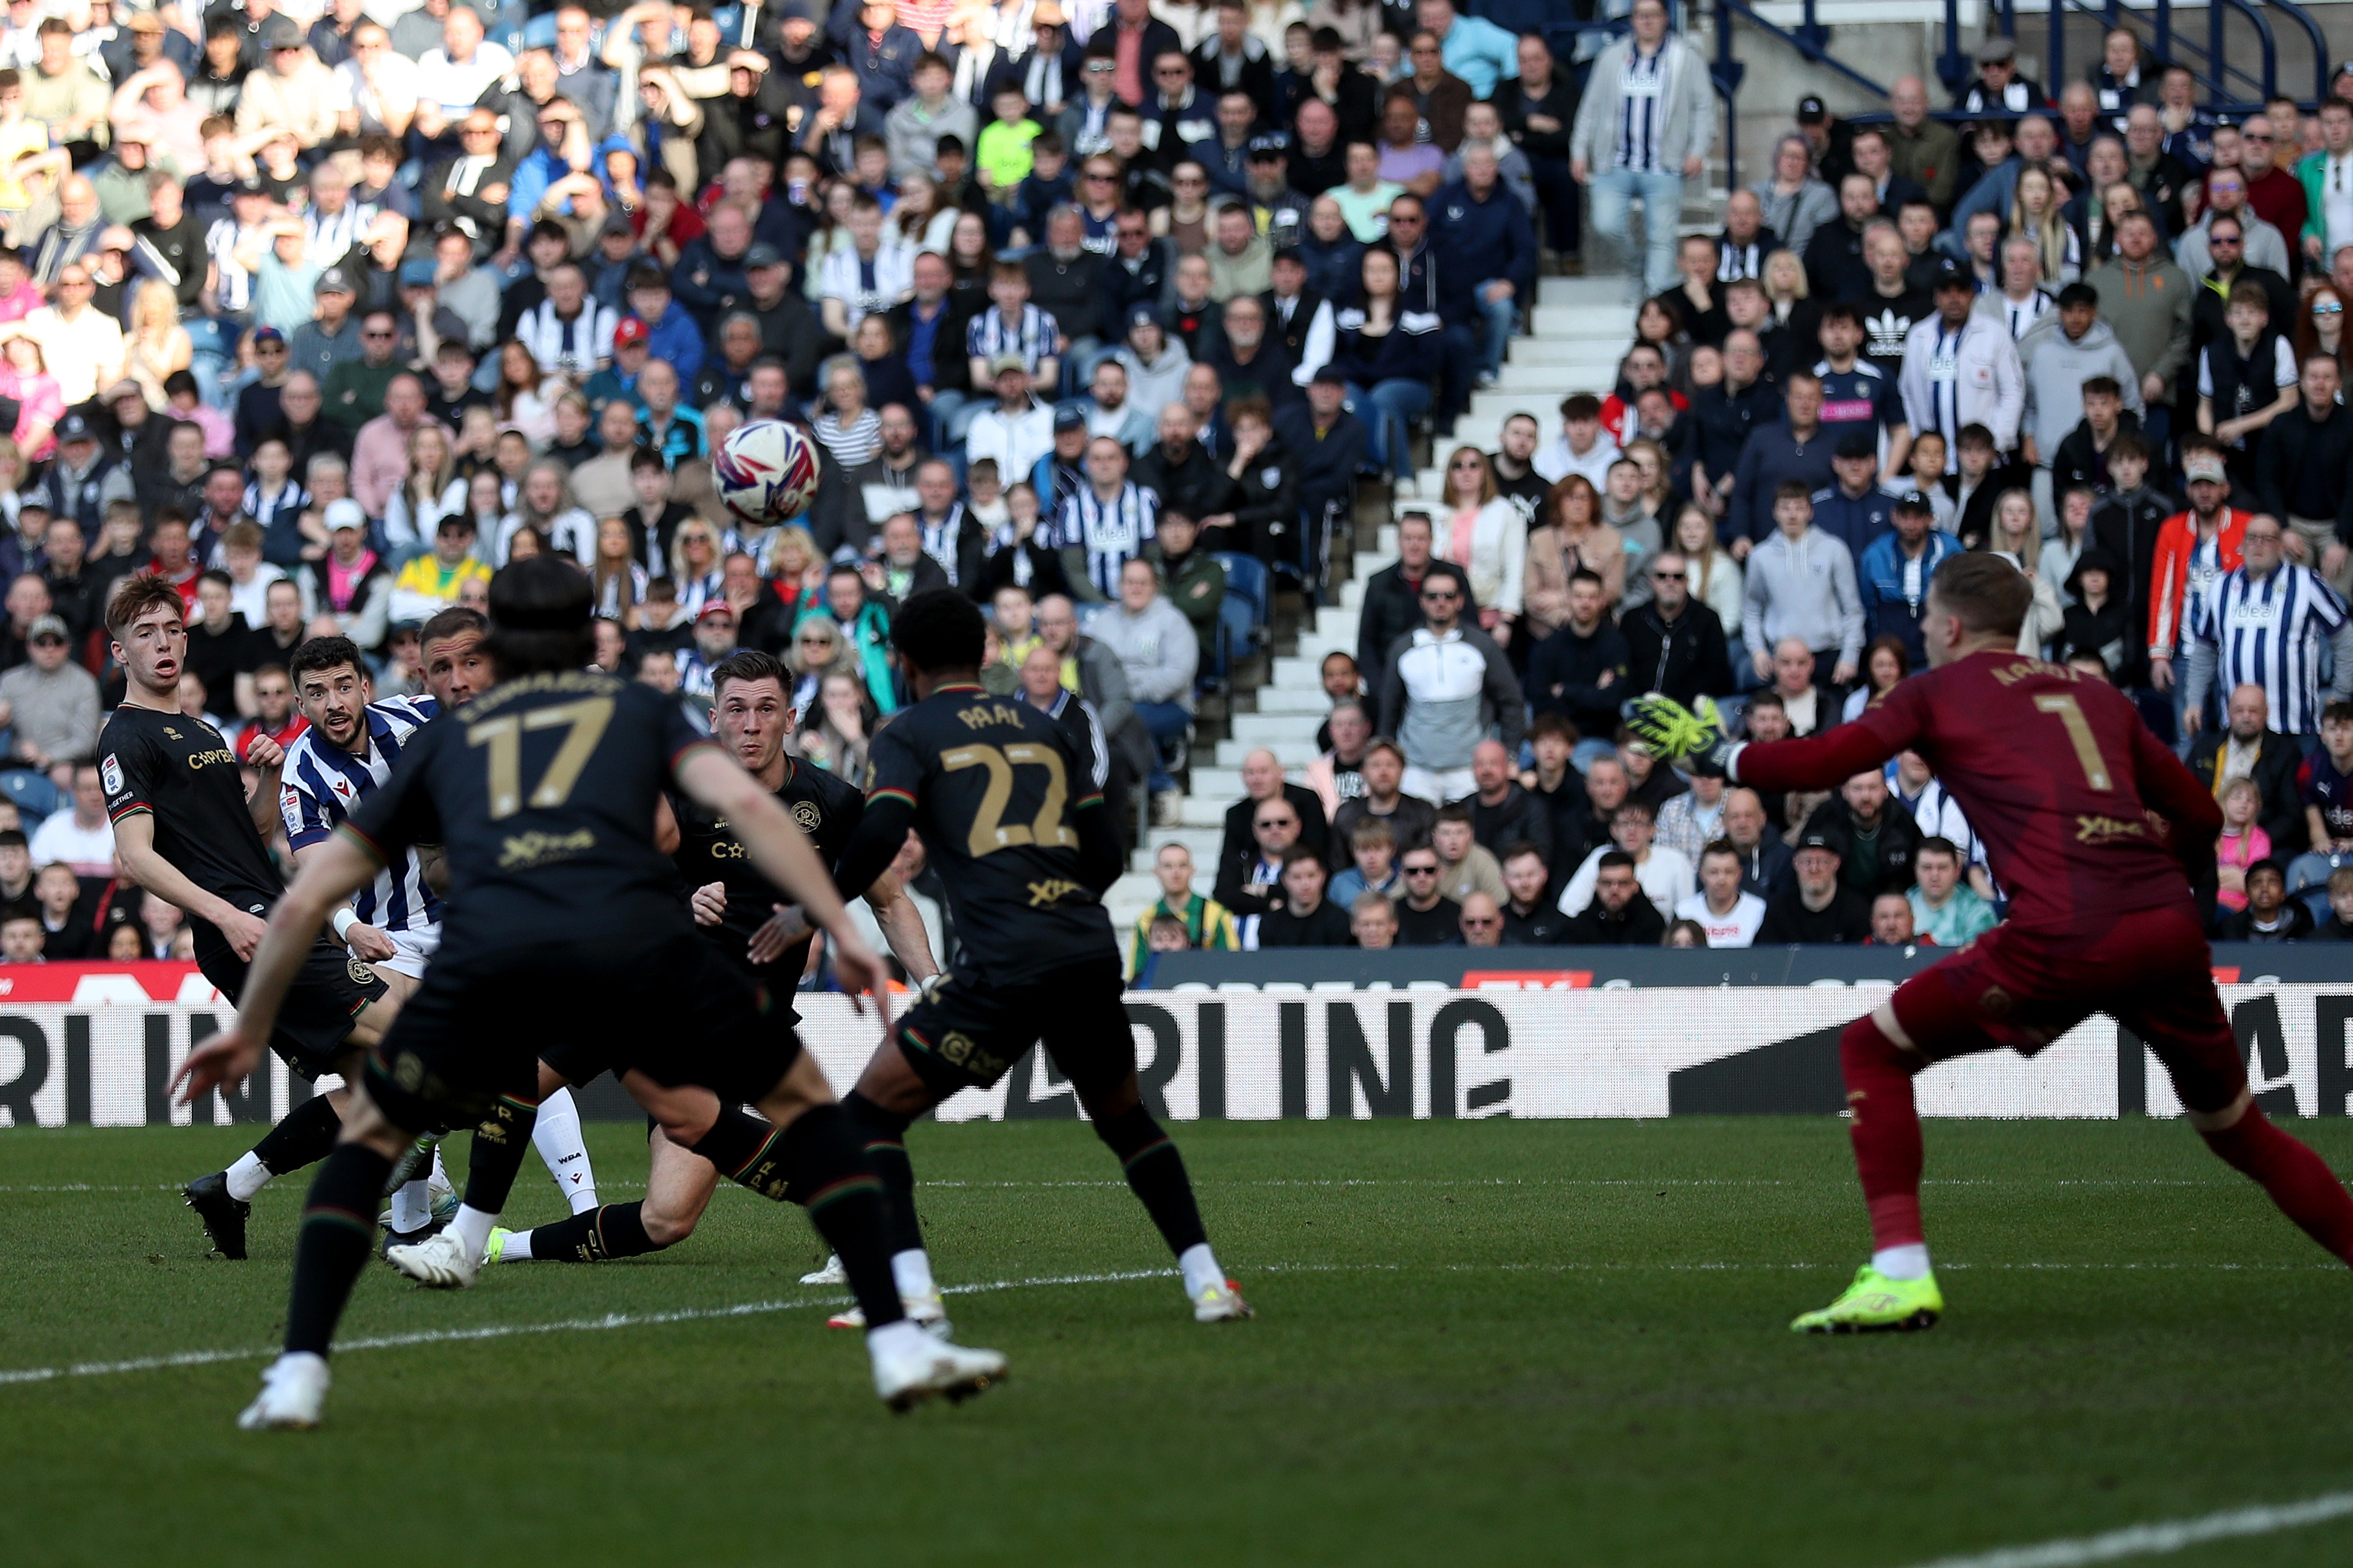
<point>338,1232</point>
<point>306,1136</point>
<point>847,1204</point>
<point>1156,1175</point>
<point>745,1148</point>
<point>886,1136</point>
<point>500,1142</point>
<point>594,1235</point>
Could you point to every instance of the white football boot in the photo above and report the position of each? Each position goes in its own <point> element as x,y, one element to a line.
<point>292,1388</point>
<point>1220,1303</point>
<point>831,1273</point>
<point>911,1367</point>
<point>441,1261</point>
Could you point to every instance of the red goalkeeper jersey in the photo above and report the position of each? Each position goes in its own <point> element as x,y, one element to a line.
<point>2084,814</point>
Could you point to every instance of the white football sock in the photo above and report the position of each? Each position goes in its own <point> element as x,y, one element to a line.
<point>473,1228</point>
<point>912,1270</point>
<point>1199,1267</point>
<point>518,1248</point>
<point>1910,1262</point>
<point>246,1177</point>
<point>411,1206</point>
<point>555,1133</point>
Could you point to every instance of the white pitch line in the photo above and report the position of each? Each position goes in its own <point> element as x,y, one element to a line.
<point>2167,1536</point>
<point>1842,1181</point>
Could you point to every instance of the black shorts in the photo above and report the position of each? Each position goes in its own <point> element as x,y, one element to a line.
<point>482,1020</point>
<point>967,1032</point>
<point>314,1025</point>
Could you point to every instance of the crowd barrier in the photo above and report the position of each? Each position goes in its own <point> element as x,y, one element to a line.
<point>96,1045</point>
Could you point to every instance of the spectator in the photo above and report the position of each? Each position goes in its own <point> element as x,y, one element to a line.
<point>2144,296</point>
<point>1676,642</point>
<point>1693,817</point>
<point>1821,907</point>
<point>1727,911</point>
<point>2262,625</point>
<point>1580,671</point>
<point>1796,449</point>
<point>1893,580</point>
<point>1880,837</point>
<point>1018,430</point>
<point>1304,918</point>
<point>1105,523</point>
<point>1373,921</point>
<point>1337,775</point>
<point>1503,812</point>
<point>1482,921</point>
<point>1892,924</point>
<point>1530,917</point>
<point>1372,852</point>
<point>2339,926</point>
<point>2239,843</point>
<point>1465,866</point>
<point>2324,784</point>
<point>1666,875</point>
<point>1764,857</point>
<point>1156,649</point>
<point>1946,910</point>
<point>1644,126</point>
<point>1487,538</point>
<point>2304,471</point>
<point>1250,885</point>
<point>1425,916</point>
<point>1263,780</point>
<point>1959,372</point>
<point>1444,686</point>
<point>49,704</point>
<point>2270,915</point>
<point>1794,203</point>
<point>2246,378</point>
<point>2247,747</point>
<point>1801,587</point>
<point>1392,602</point>
<point>1204,922</point>
<point>1617,915</point>
<point>1409,817</point>
<point>1582,447</point>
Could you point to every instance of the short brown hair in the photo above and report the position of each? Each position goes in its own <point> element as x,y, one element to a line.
<point>1985,592</point>
<point>141,593</point>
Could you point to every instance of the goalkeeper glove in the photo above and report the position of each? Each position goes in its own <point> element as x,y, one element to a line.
<point>1676,734</point>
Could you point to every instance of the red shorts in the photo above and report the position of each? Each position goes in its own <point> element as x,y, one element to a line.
<point>2150,971</point>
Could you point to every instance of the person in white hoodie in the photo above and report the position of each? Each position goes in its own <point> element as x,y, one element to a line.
<point>1159,653</point>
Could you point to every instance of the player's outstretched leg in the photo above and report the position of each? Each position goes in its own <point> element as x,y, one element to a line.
<point>2286,1167</point>
<point>884,1134</point>
<point>338,1225</point>
<point>677,1189</point>
<point>223,1199</point>
<point>1156,1175</point>
<point>814,1158</point>
<point>1895,1290</point>
<point>556,1134</point>
<point>451,1258</point>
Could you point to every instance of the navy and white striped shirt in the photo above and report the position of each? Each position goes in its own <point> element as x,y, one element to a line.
<point>1734,260</point>
<point>1640,96</point>
<point>940,539</point>
<point>320,784</point>
<point>1031,336</point>
<point>2270,632</point>
<point>1111,532</point>
<point>265,510</point>
<point>2023,315</point>
<point>333,236</point>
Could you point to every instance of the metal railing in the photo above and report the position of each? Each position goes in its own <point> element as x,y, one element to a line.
<point>2224,81</point>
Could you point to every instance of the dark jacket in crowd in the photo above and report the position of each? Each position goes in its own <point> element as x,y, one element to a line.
<point>1239,846</point>
<point>1519,819</point>
<point>1685,658</point>
<point>1564,676</point>
<point>1845,919</point>
<point>1884,866</point>
<point>2303,467</point>
<point>2277,760</point>
<point>1638,924</point>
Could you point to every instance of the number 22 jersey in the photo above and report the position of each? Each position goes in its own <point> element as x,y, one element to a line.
<point>996,788</point>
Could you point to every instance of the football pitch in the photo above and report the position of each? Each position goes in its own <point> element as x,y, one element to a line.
<point>1478,1342</point>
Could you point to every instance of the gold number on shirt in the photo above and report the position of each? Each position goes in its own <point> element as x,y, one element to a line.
<point>584,724</point>
<point>2079,730</point>
<point>990,832</point>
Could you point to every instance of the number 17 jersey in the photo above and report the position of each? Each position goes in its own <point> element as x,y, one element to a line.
<point>996,790</point>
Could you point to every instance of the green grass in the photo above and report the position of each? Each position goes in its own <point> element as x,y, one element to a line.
<point>1488,1343</point>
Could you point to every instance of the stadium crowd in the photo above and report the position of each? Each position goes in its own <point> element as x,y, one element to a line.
<point>1104,312</point>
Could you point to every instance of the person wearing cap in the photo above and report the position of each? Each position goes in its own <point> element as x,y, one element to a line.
<point>293,91</point>
<point>332,334</point>
<point>1645,125</point>
<point>2194,549</point>
<point>49,704</point>
<point>1820,907</point>
<point>1016,430</point>
<point>1998,88</point>
<point>1852,509</point>
<point>1959,370</point>
<point>1891,578</point>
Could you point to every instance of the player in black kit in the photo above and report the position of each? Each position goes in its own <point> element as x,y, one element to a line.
<point>736,909</point>
<point>1013,823</point>
<point>185,831</point>
<point>543,791</point>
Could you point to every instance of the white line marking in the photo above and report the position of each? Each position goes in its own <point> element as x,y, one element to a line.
<point>2154,1540</point>
<point>755,1309</point>
<point>1842,1181</point>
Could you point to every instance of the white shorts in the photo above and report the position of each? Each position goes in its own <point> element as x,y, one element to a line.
<point>1439,786</point>
<point>414,948</point>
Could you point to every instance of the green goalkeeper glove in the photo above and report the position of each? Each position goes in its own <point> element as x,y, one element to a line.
<point>1678,735</point>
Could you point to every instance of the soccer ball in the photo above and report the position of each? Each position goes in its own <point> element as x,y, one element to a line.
<point>767,472</point>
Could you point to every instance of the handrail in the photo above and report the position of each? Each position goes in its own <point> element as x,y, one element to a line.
<point>2262,31</point>
<point>1812,39</point>
<point>2303,18</point>
<point>2168,44</point>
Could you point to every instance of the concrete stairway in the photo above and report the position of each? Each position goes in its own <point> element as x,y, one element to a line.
<point>1578,331</point>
